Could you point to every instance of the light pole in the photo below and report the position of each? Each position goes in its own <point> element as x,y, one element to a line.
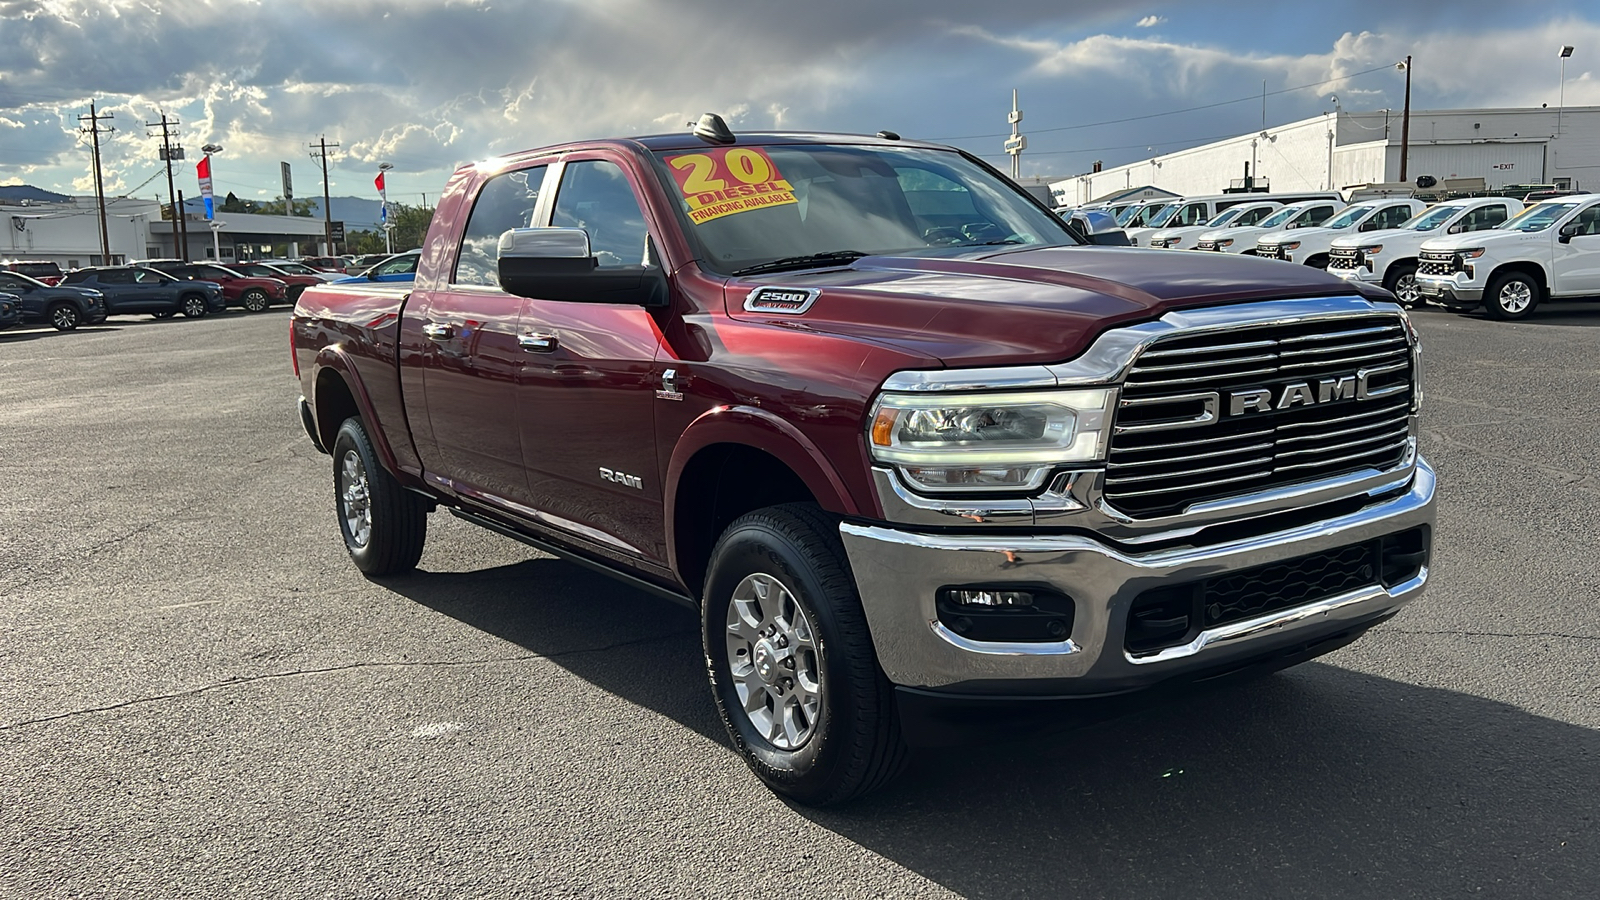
<point>1405,120</point>
<point>216,227</point>
<point>1566,53</point>
<point>383,194</point>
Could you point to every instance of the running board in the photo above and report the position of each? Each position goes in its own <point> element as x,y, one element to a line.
<point>571,556</point>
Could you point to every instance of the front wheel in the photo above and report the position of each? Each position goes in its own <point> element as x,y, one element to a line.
<point>165,314</point>
<point>1511,296</point>
<point>1401,281</point>
<point>383,524</point>
<point>791,662</point>
<point>254,300</point>
<point>194,306</point>
<point>65,317</point>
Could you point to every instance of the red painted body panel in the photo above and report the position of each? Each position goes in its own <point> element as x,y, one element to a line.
<point>487,420</point>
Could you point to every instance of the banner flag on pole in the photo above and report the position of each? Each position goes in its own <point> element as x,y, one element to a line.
<point>204,171</point>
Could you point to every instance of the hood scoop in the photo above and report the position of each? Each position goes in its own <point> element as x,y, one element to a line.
<point>783,300</point>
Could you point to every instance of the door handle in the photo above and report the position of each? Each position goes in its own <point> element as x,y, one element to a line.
<point>438,332</point>
<point>535,342</point>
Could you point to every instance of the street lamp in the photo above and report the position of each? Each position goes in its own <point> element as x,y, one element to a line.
<point>383,194</point>
<point>1566,53</point>
<point>216,227</point>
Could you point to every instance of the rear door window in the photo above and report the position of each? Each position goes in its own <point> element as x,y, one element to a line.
<point>506,201</point>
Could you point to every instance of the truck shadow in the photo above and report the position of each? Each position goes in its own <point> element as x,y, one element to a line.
<point>1319,781</point>
<point>1565,312</point>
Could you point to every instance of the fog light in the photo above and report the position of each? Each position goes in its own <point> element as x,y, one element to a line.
<point>991,598</point>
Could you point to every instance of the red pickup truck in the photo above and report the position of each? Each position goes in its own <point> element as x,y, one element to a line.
<point>913,446</point>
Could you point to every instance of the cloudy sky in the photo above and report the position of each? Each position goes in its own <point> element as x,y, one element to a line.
<point>427,84</point>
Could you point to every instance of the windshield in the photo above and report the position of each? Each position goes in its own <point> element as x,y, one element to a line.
<point>1281,216</point>
<point>1348,217</point>
<point>1125,214</point>
<point>1226,216</point>
<point>771,207</point>
<point>1164,215</point>
<point>1538,218</point>
<point>1429,219</point>
<point>212,273</point>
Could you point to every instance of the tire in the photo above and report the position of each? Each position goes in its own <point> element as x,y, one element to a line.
<point>1319,261</point>
<point>780,599</point>
<point>1511,296</point>
<point>384,526</point>
<point>1401,281</point>
<point>194,306</point>
<point>65,317</point>
<point>254,300</point>
<point>295,290</point>
<point>165,314</point>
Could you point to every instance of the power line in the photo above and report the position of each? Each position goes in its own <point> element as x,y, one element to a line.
<point>321,155</point>
<point>1170,112</point>
<point>94,130</point>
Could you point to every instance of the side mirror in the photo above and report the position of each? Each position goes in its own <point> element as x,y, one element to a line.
<point>1098,227</point>
<point>556,264</point>
<point>1569,231</point>
<point>1457,228</point>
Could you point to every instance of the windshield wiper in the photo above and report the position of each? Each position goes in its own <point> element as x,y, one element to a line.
<point>802,262</point>
<point>992,243</point>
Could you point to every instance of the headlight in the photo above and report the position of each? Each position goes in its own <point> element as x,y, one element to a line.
<point>1172,242</point>
<point>1373,250</point>
<point>1474,253</point>
<point>1228,242</point>
<point>966,442</point>
<point>1292,245</point>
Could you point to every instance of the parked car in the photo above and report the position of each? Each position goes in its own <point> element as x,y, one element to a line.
<point>63,306</point>
<point>360,264</point>
<point>296,267</point>
<point>335,264</point>
<point>1389,257</point>
<point>251,292</point>
<point>296,282</point>
<point>400,267</point>
<point>1195,212</point>
<point>1245,214</point>
<point>139,289</point>
<point>1551,251</point>
<point>1311,245</point>
<point>10,311</point>
<point>40,270</point>
<point>1242,238</point>
<point>900,479</point>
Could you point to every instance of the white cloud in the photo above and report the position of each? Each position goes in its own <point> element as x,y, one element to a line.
<point>1149,22</point>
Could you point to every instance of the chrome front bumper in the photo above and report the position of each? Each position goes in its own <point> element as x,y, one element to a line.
<point>899,574</point>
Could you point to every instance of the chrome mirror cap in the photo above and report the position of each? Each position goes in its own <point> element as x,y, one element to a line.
<point>545,243</point>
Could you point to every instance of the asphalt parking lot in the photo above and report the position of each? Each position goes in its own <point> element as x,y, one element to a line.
<point>200,696</point>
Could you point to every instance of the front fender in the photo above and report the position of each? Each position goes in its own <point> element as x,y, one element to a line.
<point>333,358</point>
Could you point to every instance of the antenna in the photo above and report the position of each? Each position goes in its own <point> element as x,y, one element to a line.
<point>712,128</point>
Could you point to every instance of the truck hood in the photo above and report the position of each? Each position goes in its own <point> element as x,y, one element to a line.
<point>1381,235</point>
<point>1300,234</point>
<point>1487,238</point>
<point>1241,231</point>
<point>1000,306</point>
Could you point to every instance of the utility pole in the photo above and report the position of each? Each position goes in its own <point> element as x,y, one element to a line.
<point>1405,123</point>
<point>321,148</point>
<point>1017,142</point>
<point>94,131</point>
<point>181,223</point>
<point>169,130</point>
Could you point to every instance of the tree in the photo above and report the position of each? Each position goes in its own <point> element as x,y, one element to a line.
<point>233,204</point>
<point>275,207</point>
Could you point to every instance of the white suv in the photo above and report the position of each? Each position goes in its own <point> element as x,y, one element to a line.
<point>1389,257</point>
<point>1242,239</point>
<point>1183,238</point>
<point>1311,245</point>
<point>1551,250</point>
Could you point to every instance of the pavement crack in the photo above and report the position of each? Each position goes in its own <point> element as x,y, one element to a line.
<point>1579,480</point>
<point>329,670</point>
<point>1499,634</point>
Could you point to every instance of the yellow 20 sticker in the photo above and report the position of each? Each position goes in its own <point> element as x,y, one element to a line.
<point>729,180</point>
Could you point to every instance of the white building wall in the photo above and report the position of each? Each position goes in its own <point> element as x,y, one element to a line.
<point>69,233</point>
<point>1463,143</point>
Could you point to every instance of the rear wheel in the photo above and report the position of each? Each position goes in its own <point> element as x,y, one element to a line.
<point>194,306</point>
<point>383,524</point>
<point>254,300</point>
<point>165,314</point>
<point>1402,282</point>
<point>1511,296</point>
<point>791,661</point>
<point>65,317</point>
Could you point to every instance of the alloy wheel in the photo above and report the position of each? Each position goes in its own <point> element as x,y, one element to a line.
<point>64,318</point>
<point>1516,297</point>
<point>1405,288</point>
<point>774,660</point>
<point>194,307</point>
<point>355,499</point>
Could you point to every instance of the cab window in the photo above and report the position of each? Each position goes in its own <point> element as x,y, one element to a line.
<point>1588,221</point>
<point>116,276</point>
<point>1483,217</point>
<point>148,276</point>
<point>506,201</point>
<point>1389,217</point>
<point>595,195</point>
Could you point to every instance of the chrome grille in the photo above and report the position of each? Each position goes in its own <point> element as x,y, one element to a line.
<point>1271,251</point>
<point>1436,263</point>
<point>1207,245</point>
<point>1169,452</point>
<point>1343,258</point>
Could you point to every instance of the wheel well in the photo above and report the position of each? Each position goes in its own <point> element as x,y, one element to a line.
<point>1532,270</point>
<point>335,403</point>
<point>721,483</point>
<point>1312,260</point>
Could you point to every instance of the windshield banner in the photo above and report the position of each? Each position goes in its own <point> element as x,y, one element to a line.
<point>729,180</point>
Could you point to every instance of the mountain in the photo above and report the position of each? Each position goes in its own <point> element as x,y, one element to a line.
<point>16,193</point>
<point>357,213</point>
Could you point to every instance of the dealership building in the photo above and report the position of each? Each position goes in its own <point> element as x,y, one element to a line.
<point>1341,150</point>
<point>67,232</point>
